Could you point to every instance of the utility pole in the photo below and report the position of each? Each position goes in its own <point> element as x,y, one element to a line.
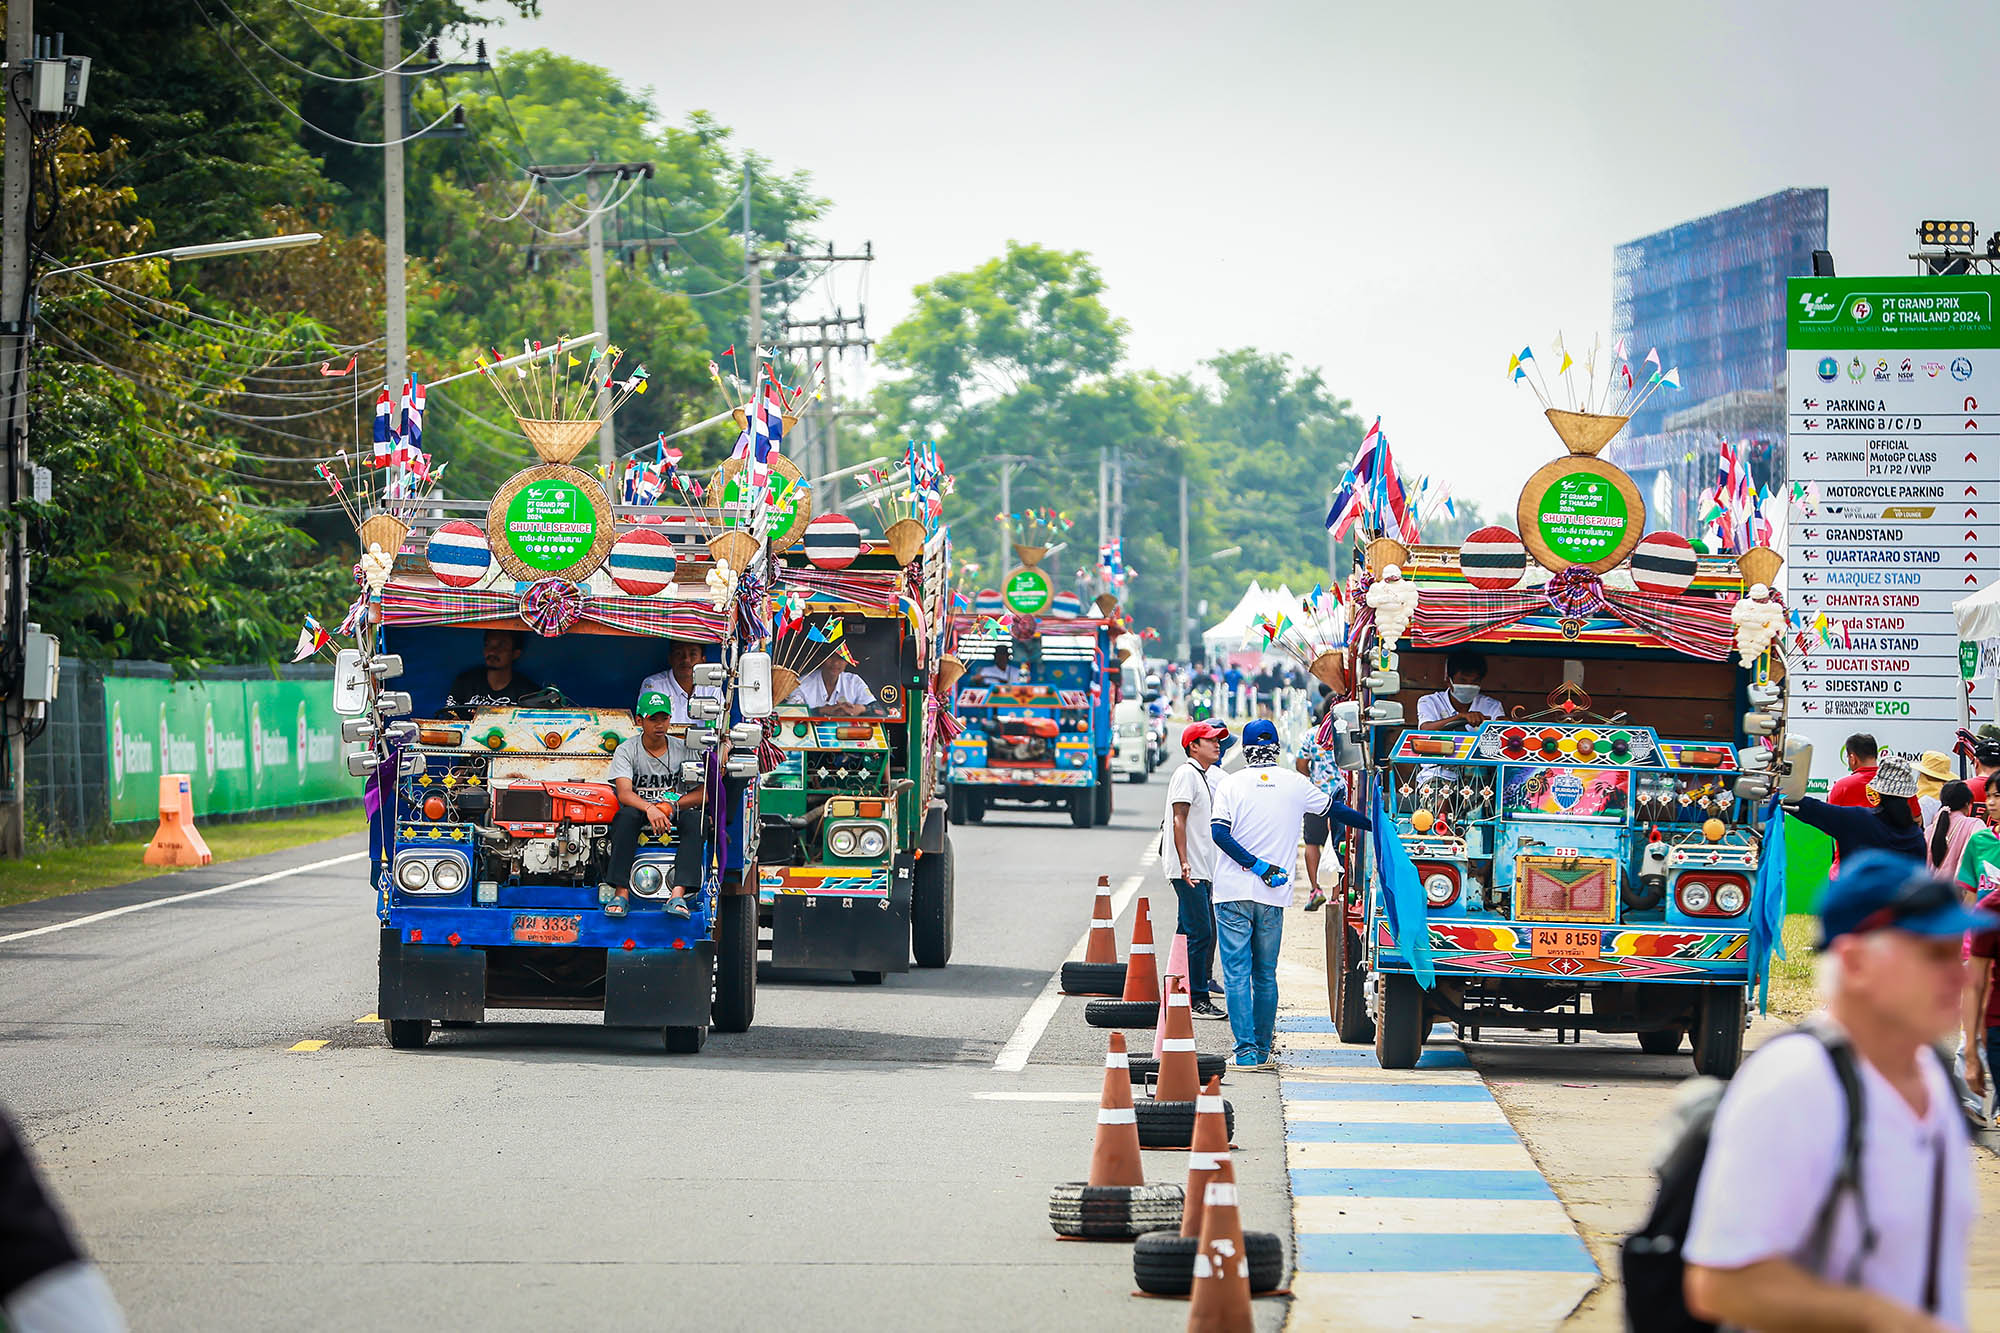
<point>394,292</point>
<point>1118,500</point>
<point>830,334</point>
<point>1007,462</point>
<point>1103,509</point>
<point>1181,648</point>
<point>14,198</point>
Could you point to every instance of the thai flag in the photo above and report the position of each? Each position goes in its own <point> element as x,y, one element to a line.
<point>410,440</point>
<point>1371,489</point>
<point>767,433</point>
<point>382,453</point>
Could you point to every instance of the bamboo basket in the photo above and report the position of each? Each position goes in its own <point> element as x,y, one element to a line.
<point>1584,432</point>
<point>735,546</point>
<point>1383,552</point>
<point>783,681</point>
<point>743,420</point>
<point>383,530</point>
<point>949,669</point>
<point>1107,606</point>
<point>1329,669</point>
<point>1030,555</point>
<point>559,441</point>
<point>906,538</point>
<point>1760,564</point>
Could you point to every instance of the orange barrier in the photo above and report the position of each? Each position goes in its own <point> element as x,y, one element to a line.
<point>178,842</point>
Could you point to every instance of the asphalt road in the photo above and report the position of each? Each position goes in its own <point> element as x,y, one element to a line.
<point>856,1160</point>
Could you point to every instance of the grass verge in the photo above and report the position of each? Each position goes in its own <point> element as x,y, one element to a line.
<point>53,870</point>
<point>1794,993</point>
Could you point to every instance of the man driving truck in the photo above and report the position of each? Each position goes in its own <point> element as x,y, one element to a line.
<point>833,690</point>
<point>494,682</point>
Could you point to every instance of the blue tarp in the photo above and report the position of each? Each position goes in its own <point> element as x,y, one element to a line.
<point>1402,894</point>
<point>1767,904</point>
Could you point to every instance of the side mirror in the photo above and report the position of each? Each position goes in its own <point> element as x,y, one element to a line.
<point>1385,713</point>
<point>753,685</point>
<point>711,673</point>
<point>746,736</point>
<point>359,729</point>
<point>1385,681</point>
<point>705,708</point>
<point>413,764</point>
<point>1760,724</point>
<point>385,666</point>
<point>350,683</point>
<point>1796,768</point>
<point>691,774</point>
<point>360,763</point>
<point>392,703</point>
<point>741,765</point>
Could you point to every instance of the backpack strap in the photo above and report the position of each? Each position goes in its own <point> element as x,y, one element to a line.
<point>1847,1176</point>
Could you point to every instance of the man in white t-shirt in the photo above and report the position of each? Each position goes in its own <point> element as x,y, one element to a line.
<point>1187,854</point>
<point>677,681</point>
<point>833,690</point>
<point>1890,938</point>
<point>1258,817</point>
<point>1001,670</point>
<point>1462,705</point>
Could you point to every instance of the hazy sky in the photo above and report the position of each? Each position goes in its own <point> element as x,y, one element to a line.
<point>1397,193</point>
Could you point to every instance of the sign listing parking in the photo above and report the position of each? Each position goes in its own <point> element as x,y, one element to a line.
<point>1893,413</point>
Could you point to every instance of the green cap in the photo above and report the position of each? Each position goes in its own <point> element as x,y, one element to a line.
<point>654,701</point>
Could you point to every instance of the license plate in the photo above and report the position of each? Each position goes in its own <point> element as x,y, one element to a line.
<point>1559,942</point>
<point>547,929</point>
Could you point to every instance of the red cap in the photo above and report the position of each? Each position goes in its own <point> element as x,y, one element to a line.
<point>1202,731</point>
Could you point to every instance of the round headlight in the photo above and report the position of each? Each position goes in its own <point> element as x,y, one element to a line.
<point>1729,898</point>
<point>1439,889</point>
<point>646,879</point>
<point>448,874</point>
<point>873,842</point>
<point>1694,897</point>
<point>841,842</point>
<point>413,874</point>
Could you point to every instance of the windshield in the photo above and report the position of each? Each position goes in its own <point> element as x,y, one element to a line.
<point>859,674</point>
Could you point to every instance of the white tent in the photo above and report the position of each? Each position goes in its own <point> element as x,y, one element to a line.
<point>1978,620</point>
<point>1237,631</point>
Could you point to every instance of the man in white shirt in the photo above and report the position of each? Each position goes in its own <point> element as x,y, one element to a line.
<point>1257,819</point>
<point>833,690</point>
<point>1461,706</point>
<point>1001,670</point>
<point>677,681</point>
<point>1757,1256</point>
<point>1187,854</point>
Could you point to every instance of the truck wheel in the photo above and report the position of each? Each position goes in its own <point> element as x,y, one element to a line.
<point>1082,806</point>
<point>968,805</point>
<point>1399,1037</point>
<point>735,963</point>
<point>1344,979</point>
<point>931,908</point>
<point>1138,778</point>
<point>1660,1041</point>
<point>1718,1031</point>
<point>684,1041</point>
<point>407,1034</point>
<point>1102,797</point>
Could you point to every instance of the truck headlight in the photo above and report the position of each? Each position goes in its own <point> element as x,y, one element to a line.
<point>1439,889</point>
<point>873,842</point>
<point>448,875</point>
<point>414,875</point>
<point>1694,897</point>
<point>647,878</point>
<point>1729,899</point>
<point>841,842</point>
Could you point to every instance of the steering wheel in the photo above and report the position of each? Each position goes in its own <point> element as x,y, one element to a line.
<point>548,696</point>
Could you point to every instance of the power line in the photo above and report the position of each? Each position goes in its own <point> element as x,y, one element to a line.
<point>192,313</point>
<point>375,72</point>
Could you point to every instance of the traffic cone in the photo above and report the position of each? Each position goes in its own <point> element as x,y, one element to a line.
<point>1103,946</point>
<point>1142,970</point>
<point>1210,1151</point>
<point>1180,1072</point>
<point>1114,1158</point>
<point>1219,1301</point>
<point>1176,967</point>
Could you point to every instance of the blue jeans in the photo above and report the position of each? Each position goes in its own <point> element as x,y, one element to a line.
<point>1247,936</point>
<point>1197,922</point>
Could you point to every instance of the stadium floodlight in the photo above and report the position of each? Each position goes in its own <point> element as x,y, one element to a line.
<point>1951,235</point>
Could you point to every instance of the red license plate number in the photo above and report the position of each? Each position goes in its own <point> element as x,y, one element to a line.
<point>1563,942</point>
<point>547,929</point>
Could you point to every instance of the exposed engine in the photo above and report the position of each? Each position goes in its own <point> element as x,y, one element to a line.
<point>1021,740</point>
<point>548,830</point>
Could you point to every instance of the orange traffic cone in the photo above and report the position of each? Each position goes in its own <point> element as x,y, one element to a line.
<point>1103,946</point>
<point>1114,1158</point>
<point>1211,1150</point>
<point>1219,1301</point>
<point>1180,1072</point>
<point>1142,971</point>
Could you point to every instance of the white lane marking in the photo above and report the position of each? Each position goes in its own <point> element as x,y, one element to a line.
<point>1036,1096</point>
<point>182,897</point>
<point>1013,1057</point>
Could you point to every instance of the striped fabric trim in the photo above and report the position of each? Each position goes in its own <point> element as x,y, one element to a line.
<point>654,617</point>
<point>1698,626</point>
<point>878,589</point>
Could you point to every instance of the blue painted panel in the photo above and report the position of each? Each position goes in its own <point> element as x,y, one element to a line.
<point>1395,1183</point>
<point>1386,1092</point>
<point>1377,1131</point>
<point>1391,1252</point>
<point>478,926</point>
<point>1362,1058</point>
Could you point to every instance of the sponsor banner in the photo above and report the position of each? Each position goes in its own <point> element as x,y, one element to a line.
<point>245,745</point>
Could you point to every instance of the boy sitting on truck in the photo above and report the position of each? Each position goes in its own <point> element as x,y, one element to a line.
<point>644,771</point>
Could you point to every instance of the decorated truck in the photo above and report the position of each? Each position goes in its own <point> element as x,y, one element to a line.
<point>854,858</point>
<point>501,648</point>
<point>1036,731</point>
<point>1585,837</point>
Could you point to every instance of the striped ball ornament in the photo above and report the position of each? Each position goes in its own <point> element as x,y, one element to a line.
<point>1663,563</point>
<point>832,541</point>
<point>641,562</point>
<point>458,554</point>
<point>1066,604</point>
<point>989,602</point>
<point>1493,558</point>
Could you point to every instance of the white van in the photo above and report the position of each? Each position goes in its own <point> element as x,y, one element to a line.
<point>1131,745</point>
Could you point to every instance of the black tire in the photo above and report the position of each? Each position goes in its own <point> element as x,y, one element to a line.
<point>862,978</point>
<point>1661,1041</point>
<point>1344,979</point>
<point>1121,1014</point>
<point>1163,1265</point>
<point>1209,1066</point>
<point>1101,800</point>
<point>1399,1037</point>
<point>684,1041</point>
<point>1718,1031</point>
<point>407,1034</point>
<point>1114,1212</point>
<point>968,805</point>
<point>932,906</point>
<point>735,1004</point>
<point>1139,779</point>
<point>1081,807</point>
<point>1171,1124</point>
<point>1093,978</point>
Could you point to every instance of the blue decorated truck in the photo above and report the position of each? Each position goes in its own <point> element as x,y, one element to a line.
<point>1590,841</point>
<point>1037,733</point>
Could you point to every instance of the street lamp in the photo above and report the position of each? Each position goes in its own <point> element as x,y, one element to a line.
<point>1225,552</point>
<point>206,251</point>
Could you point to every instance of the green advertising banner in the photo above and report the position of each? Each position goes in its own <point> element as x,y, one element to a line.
<point>1847,314</point>
<point>245,745</point>
<point>1027,591</point>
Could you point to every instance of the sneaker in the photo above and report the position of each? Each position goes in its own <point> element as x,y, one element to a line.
<point>677,907</point>
<point>1316,899</point>
<point>1248,1061</point>
<point>1205,1009</point>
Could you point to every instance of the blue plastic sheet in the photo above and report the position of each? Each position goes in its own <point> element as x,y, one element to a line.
<point>1402,895</point>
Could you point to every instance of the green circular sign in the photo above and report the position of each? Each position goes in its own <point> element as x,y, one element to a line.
<point>551,524</point>
<point>1582,517</point>
<point>786,492</point>
<point>1027,591</point>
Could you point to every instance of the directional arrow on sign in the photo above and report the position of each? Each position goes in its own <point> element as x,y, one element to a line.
<point>1972,490</point>
<point>1972,458</point>
<point>1972,513</point>
<point>1971,557</point>
<point>1972,578</point>
<point>1971,535</point>
<point>1970,424</point>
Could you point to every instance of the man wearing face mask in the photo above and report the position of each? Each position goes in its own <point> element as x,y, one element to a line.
<point>1460,706</point>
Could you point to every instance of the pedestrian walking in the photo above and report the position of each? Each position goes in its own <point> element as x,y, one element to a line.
<point>1187,854</point>
<point>1945,836</point>
<point>1933,771</point>
<point>1783,1236</point>
<point>1891,826</point>
<point>1259,815</point>
<point>1984,752</point>
<point>1319,764</point>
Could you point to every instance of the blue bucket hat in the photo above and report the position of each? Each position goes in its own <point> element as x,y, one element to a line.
<point>1878,890</point>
